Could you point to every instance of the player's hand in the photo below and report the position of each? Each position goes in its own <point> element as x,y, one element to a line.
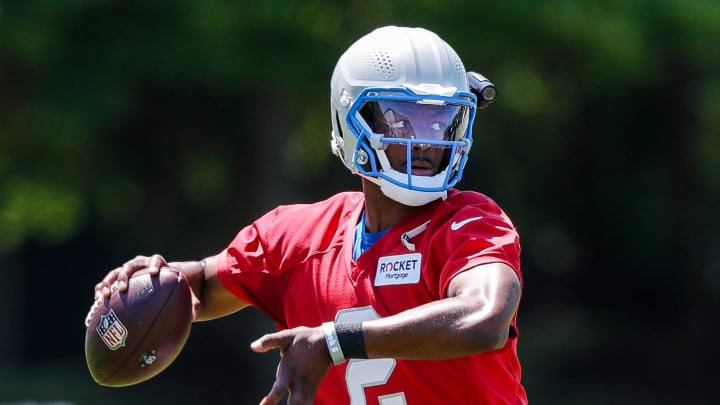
<point>118,277</point>
<point>304,361</point>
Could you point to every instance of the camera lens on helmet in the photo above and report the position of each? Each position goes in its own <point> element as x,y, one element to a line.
<point>483,89</point>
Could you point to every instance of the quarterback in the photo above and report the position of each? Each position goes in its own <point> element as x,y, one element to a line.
<point>403,293</point>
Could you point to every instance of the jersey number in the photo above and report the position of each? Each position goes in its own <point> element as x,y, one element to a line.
<point>367,373</point>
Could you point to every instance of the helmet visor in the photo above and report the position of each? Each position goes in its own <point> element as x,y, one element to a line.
<point>416,120</point>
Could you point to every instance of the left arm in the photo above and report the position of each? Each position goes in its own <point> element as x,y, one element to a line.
<point>474,318</point>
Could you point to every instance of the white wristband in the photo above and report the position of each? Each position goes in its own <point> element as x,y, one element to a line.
<point>331,338</point>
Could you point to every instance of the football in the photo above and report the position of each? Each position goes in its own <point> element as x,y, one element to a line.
<point>134,335</point>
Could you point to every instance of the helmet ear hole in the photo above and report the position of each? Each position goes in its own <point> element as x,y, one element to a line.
<point>338,126</point>
<point>337,142</point>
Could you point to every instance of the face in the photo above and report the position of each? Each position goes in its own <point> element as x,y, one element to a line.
<point>424,160</point>
<point>404,120</point>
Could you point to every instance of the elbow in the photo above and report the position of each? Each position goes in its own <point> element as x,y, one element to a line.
<point>493,340</point>
<point>488,339</point>
<point>497,341</point>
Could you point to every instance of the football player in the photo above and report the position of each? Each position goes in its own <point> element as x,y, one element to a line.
<point>404,293</point>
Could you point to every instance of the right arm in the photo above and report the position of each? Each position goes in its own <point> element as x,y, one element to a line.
<point>210,298</point>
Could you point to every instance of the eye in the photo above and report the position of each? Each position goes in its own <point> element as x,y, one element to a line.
<point>438,126</point>
<point>400,129</point>
<point>401,125</point>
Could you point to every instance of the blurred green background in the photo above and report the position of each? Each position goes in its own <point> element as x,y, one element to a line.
<point>135,127</point>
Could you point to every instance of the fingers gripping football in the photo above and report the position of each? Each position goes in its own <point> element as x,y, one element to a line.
<point>117,279</point>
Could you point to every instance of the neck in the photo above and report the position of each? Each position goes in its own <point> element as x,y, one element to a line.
<point>381,212</point>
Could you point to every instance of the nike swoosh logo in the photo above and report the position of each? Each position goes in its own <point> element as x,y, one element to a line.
<point>457,225</point>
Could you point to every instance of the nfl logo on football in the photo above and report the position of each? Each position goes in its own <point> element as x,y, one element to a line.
<point>112,331</point>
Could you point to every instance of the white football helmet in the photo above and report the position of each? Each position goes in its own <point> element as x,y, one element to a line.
<point>382,89</point>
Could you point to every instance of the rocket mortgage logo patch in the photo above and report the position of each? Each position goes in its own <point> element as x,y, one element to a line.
<point>401,269</point>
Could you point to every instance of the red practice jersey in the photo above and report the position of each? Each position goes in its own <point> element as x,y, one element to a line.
<point>295,265</point>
